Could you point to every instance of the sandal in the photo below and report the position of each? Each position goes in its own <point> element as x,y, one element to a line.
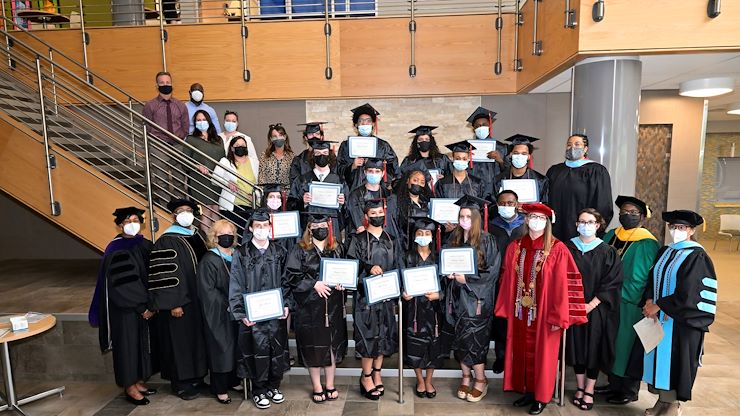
<point>321,397</point>
<point>476,395</point>
<point>577,400</point>
<point>369,394</point>
<point>379,387</point>
<point>462,390</point>
<point>584,405</point>
<point>329,393</point>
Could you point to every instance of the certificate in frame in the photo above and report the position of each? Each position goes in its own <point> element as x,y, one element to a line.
<point>361,146</point>
<point>419,281</point>
<point>382,287</point>
<point>481,147</point>
<point>324,194</point>
<point>339,271</point>
<point>526,189</point>
<point>285,224</point>
<point>264,305</point>
<point>461,260</point>
<point>444,210</point>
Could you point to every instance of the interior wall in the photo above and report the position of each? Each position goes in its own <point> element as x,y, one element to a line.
<point>716,145</point>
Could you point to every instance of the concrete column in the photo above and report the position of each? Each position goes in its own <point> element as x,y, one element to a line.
<point>127,12</point>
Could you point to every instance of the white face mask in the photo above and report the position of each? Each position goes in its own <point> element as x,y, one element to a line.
<point>519,161</point>
<point>536,224</point>
<point>185,219</point>
<point>365,129</point>
<point>230,126</point>
<point>423,240</point>
<point>197,96</point>
<point>587,230</point>
<point>261,234</point>
<point>678,235</point>
<point>506,212</point>
<point>274,203</point>
<point>132,228</point>
<point>481,132</point>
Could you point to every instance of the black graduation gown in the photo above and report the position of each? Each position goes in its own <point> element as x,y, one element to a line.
<point>487,171</point>
<point>220,328</point>
<point>573,189</point>
<point>173,265</point>
<point>424,344</point>
<point>543,184</point>
<point>299,166</point>
<point>692,308</point>
<point>301,186</point>
<point>286,243</point>
<point>355,209</point>
<point>449,187</point>
<point>125,298</point>
<point>441,163</point>
<point>320,324</point>
<point>407,210</point>
<point>593,344</point>
<point>356,177</point>
<point>263,348</point>
<point>469,307</point>
<point>375,327</point>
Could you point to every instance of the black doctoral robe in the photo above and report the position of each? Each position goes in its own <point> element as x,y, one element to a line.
<point>320,324</point>
<point>263,348</point>
<point>469,306</point>
<point>355,209</point>
<point>424,343</point>
<point>122,301</point>
<point>375,327</point>
<point>573,189</point>
<point>173,265</point>
<point>301,186</point>
<point>543,184</point>
<point>220,327</point>
<point>449,187</point>
<point>593,344</point>
<point>356,177</point>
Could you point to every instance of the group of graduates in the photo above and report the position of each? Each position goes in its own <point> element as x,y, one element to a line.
<point>177,306</point>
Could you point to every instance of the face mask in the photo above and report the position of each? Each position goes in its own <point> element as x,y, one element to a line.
<point>629,221</point>
<point>321,160</point>
<point>374,178</point>
<point>201,125</point>
<point>230,126</point>
<point>132,228</point>
<point>587,230</point>
<point>575,153</point>
<point>320,234</point>
<point>226,240</point>
<point>481,132</point>
<point>423,240</point>
<point>536,224</point>
<point>185,219</point>
<point>678,235</point>
<point>197,96</point>
<point>278,142</point>
<point>466,223</point>
<point>519,161</point>
<point>377,221</point>
<point>165,89</point>
<point>274,203</point>
<point>506,212</point>
<point>460,165</point>
<point>424,146</point>
<point>241,151</point>
<point>415,189</point>
<point>261,234</point>
<point>365,129</point>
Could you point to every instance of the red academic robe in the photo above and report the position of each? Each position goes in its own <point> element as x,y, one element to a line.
<point>559,292</point>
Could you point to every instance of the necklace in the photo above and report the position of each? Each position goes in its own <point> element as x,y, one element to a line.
<point>620,251</point>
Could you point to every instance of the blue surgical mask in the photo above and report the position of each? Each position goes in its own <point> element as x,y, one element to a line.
<point>506,212</point>
<point>519,161</point>
<point>365,129</point>
<point>230,126</point>
<point>423,240</point>
<point>460,164</point>
<point>481,132</point>
<point>587,230</point>
<point>374,178</point>
<point>201,125</point>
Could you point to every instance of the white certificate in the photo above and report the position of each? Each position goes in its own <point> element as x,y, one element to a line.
<point>458,260</point>
<point>285,224</point>
<point>444,210</point>
<point>481,149</point>
<point>339,272</point>
<point>419,281</point>
<point>264,305</point>
<point>650,333</point>
<point>325,194</point>
<point>434,173</point>
<point>526,189</point>
<point>380,288</point>
<point>360,146</point>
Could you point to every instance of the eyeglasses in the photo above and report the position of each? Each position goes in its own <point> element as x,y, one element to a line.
<point>679,227</point>
<point>537,217</point>
<point>632,212</point>
<point>586,223</point>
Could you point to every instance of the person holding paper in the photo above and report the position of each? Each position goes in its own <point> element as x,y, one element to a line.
<point>637,248</point>
<point>300,164</point>
<point>413,200</point>
<point>375,328</point>
<point>213,292</point>
<point>541,294</point>
<point>590,347</point>
<point>365,120</point>
<point>274,200</point>
<point>469,299</point>
<point>318,310</point>
<point>258,266</point>
<point>682,295</point>
<point>424,151</point>
<point>520,155</point>
<point>423,316</point>
<point>373,188</point>
<point>173,267</point>
<point>576,184</point>
<point>481,121</point>
<point>121,307</point>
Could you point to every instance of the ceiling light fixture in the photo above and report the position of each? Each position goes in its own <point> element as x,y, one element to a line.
<point>706,87</point>
<point>734,109</point>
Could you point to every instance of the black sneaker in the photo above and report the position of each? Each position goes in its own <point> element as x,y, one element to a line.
<point>275,395</point>
<point>261,401</point>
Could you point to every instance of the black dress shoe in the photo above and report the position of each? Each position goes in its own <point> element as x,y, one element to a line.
<point>189,394</point>
<point>498,366</point>
<point>525,400</point>
<point>140,402</point>
<point>536,408</point>
<point>148,392</point>
<point>224,401</point>
<point>621,399</point>
<point>606,388</point>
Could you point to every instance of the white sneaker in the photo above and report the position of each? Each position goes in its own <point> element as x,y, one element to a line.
<point>276,395</point>
<point>261,401</point>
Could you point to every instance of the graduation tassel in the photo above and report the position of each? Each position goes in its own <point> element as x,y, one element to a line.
<point>439,238</point>
<point>385,211</point>
<point>415,309</point>
<point>331,233</point>
<point>272,227</point>
<point>436,326</point>
<point>326,313</point>
<point>477,310</point>
<point>485,217</point>
<point>470,157</point>
<point>529,162</point>
<point>431,188</point>
<point>490,125</point>
<point>385,172</point>
<point>284,200</point>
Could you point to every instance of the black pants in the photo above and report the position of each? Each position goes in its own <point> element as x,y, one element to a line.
<point>592,373</point>
<point>221,382</point>
<point>624,385</point>
<point>262,387</point>
<point>185,385</point>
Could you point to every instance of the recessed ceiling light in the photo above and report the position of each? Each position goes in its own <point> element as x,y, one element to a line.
<point>706,87</point>
<point>734,108</point>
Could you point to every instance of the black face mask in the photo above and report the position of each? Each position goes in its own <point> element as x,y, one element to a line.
<point>629,221</point>
<point>226,240</point>
<point>241,151</point>
<point>377,221</point>
<point>321,160</point>
<point>165,89</point>
<point>415,189</point>
<point>424,146</point>
<point>320,234</point>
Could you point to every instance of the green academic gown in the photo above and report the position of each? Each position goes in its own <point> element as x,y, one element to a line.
<point>637,259</point>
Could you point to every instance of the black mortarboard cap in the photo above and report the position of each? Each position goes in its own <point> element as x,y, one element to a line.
<point>683,216</point>
<point>259,214</point>
<point>317,217</point>
<point>462,146</point>
<point>623,199</point>
<point>481,112</point>
<point>312,126</point>
<point>373,162</point>
<point>364,109</point>
<point>374,203</point>
<point>180,202</point>
<point>421,130</point>
<point>472,202</point>
<point>122,214</point>
<point>522,139</point>
<point>270,187</point>
<point>425,223</point>
<point>318,144</point>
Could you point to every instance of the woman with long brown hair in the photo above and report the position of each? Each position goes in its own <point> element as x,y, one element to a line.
<point>206,146</point>
<point>469,299</point>
<point>276,160</point>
